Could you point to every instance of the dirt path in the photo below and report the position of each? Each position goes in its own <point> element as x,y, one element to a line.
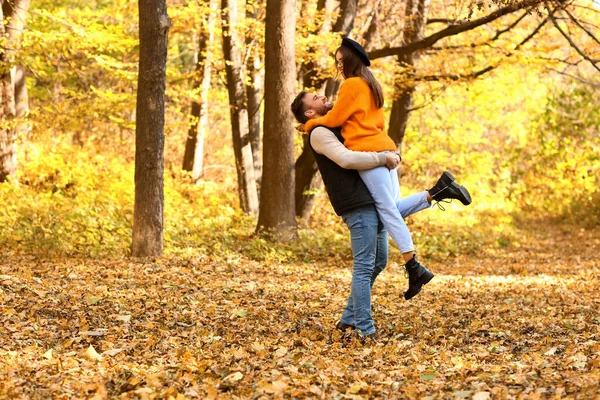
<point>519,323</point>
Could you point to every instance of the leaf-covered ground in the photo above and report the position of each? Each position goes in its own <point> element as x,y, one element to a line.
<point>523,323</point>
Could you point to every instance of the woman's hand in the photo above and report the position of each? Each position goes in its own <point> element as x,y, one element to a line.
<point>300,128</point>
<point>392,160</point>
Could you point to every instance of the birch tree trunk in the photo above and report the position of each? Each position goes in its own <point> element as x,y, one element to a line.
<point>276,215</point>
<point>238,108</point>
<point>193,159</point>
<point>254,94</point>
<point>12,18</point>
<point>149,133</point>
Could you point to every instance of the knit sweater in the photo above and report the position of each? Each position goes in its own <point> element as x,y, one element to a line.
<point>323,141</point>
<point>361,121</point>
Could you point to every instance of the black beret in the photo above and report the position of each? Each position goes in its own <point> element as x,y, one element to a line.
<point>357,49</point>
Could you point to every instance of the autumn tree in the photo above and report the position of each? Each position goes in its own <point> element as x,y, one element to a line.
<point>276,213</point>
<point>254,87</point>
<point>149,143</point>
<point>13,92</point>
<point>238,108</point>
<point>193,159</point>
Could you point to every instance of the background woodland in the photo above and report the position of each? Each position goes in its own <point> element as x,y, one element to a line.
<point>162,129</point>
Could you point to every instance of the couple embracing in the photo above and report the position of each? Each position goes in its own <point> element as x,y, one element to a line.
<point>357,161</point>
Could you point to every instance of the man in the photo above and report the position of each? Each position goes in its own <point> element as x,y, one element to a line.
<point>351,200</point>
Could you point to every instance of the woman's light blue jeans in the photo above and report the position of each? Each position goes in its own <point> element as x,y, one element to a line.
<point>385,189</point>
<point>370,251</point>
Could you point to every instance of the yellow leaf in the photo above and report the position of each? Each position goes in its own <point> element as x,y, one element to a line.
<point>282,351</point>
<point>236,376</point>
<point>93,354</point>
<point>357,387</point>
<point>279,387</point>
<point>48,354</point>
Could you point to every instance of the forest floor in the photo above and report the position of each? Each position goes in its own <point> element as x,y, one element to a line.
<point>521,323</point>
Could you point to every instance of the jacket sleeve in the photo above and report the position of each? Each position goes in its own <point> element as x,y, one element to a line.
<point>324,142</point>
<point>344,107</point>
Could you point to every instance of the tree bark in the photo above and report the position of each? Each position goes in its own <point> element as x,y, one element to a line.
<point>345,20</point>
<point>149,134</point>
<point>12,20</point>
<point>276,214</point>
<point>308,180</point>
<point>253,91</point>
<point>238,109</point>
<point>416,19</point>
<point>193,159</point>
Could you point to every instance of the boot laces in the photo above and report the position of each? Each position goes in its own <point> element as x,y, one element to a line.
<point>440,191</point>
<point>441,207</point>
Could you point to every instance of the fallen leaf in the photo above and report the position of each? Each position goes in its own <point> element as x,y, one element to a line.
<point>281,352</point>
<point>93,354</point>
<point>427,377</point>
<point>112,352</point>
<point>236,376</point>
<point>48,354</point>
<point>93,300</point>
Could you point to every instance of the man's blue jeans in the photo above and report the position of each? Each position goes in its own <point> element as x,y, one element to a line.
<point>370,251</point>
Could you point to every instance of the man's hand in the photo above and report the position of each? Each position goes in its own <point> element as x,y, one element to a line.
<point>300,128</point>
<point>392,160</point>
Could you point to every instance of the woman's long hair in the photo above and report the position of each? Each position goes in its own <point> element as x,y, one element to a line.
<point>353,66</point>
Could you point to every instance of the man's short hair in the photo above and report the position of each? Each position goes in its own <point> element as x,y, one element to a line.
<point>299,107</point>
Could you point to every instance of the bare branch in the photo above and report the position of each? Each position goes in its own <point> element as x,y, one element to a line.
<point>486,43</point>
<point>577,78</point>
<point>560,60</point>
<point>580,25</point>
<point>450,31</point>
<point>573,45</point>
<point>472,75</point>
<point>441,21</point>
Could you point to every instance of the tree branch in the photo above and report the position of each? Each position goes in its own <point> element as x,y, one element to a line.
<point>581,26</point>
<point>447,21</point>
<point>486,43</point>
<point>584,81</point>
<point>573,45</point>
<point>433,78</point>
<point>450,31</point>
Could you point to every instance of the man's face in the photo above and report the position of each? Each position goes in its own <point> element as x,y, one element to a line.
<point>317,105</point>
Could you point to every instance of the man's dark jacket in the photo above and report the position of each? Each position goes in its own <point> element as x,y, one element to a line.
<point>345,188</point>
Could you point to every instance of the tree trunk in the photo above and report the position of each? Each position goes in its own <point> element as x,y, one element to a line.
<point>276,215</point>
<point>238,110</point>
<point>307,179</point>
<point>416,18</point>
<point>345,20</point>
<point>149,133</point>
<point>253,90</point>
<point>12,19</point>
<point>193,159</point>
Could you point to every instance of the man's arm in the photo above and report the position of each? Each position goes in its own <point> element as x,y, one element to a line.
<point>326,143</point>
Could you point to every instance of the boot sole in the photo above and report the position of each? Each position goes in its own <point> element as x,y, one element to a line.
<point>466,196</point>
<point>449,179</point>
<point>424,280</point>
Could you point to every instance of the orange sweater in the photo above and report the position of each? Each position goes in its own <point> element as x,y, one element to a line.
<point>361,121</point>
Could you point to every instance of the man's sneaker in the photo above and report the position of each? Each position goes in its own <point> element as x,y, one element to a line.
<point>342,326</point>
<point>418,276</point>
<point>447,188</point>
